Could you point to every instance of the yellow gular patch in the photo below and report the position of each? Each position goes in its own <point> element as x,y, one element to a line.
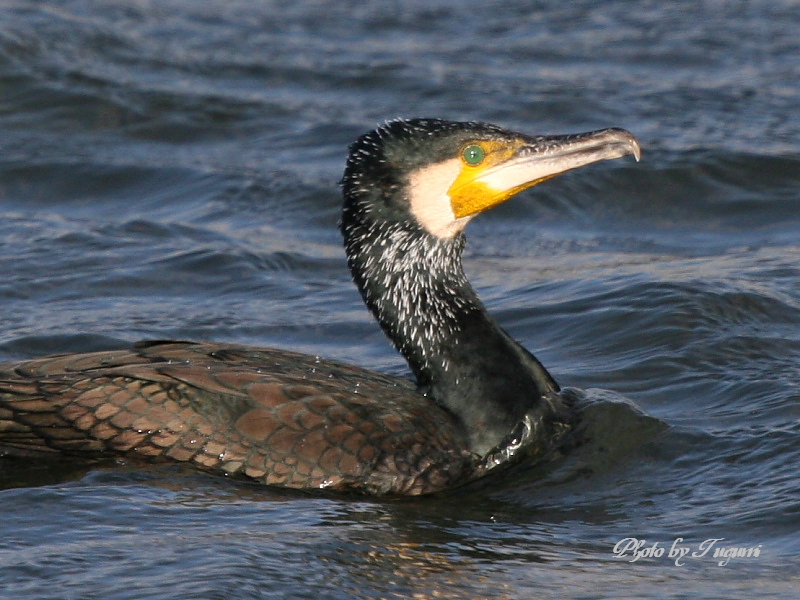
<point>472,191</point>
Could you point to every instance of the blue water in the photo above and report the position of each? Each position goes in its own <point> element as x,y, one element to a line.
<point>169,170</point>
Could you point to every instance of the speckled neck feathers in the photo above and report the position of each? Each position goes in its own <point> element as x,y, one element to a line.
<point>414,284</point>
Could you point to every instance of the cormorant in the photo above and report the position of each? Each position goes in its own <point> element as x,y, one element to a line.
<point>480,400</point>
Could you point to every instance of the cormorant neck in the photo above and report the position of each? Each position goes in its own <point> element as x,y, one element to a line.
<point>414,284</point>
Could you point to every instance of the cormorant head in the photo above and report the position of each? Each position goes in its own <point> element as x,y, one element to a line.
<point>439,174</point>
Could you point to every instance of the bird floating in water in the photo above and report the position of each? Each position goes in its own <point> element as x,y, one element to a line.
<point>479,401</point>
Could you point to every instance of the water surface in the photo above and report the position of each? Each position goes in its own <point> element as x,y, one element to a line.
<point>169,170</point>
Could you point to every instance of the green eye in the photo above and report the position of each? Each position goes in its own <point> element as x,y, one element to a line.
<point>473,155</point>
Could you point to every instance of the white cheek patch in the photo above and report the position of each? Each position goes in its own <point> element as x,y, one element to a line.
<point>430,203</point>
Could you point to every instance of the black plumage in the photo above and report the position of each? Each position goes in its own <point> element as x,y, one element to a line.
<point>480,399</point>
